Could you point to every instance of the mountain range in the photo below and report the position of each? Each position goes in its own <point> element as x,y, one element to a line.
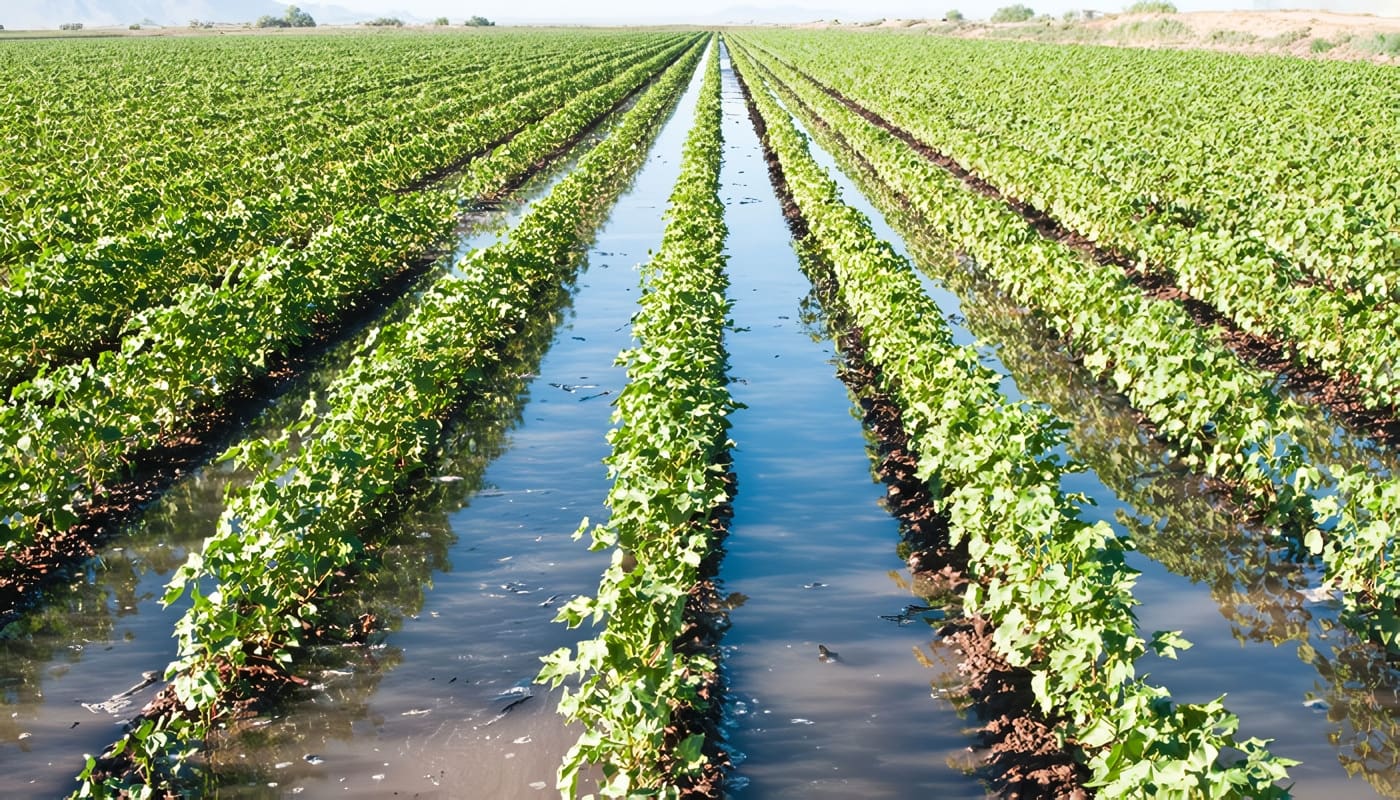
<point>95,13</point>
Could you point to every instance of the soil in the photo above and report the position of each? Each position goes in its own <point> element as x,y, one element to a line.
<point>1022,755</point>
<point>706,620</point>
<point>1339,393</point>
<point>1338,37</point>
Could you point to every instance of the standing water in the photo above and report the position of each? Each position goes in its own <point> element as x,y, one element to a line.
<point>442,705</point>
<point>1264,634</point>
<point>68,667</point>
<point>811,552</point>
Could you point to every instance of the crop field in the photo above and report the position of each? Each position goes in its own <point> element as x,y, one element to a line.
<point>653,413</point>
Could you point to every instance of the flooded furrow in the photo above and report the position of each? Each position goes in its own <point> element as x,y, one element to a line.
<point>829,678</point>
<point>442,703</point>
<point>64,663</point>
<point>1264,634</point>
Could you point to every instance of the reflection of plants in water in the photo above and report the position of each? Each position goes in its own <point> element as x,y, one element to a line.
<point>394,575</point>
<point>73,617</point>
<point>84,614</point>
<point>1357,692</point>
<point>1256,585</point>
<point>810,314</point>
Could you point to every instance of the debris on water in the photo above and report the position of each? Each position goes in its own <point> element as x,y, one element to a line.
<point>508,700</point>
<point>416,712</point>
<point>914,612</point>
<point>571,388</point>
<point>1316,704</point>
<point>515,587</point>
<point>448,478</point>
<point>549,601</point>
<point>313,759</point>
<point>25,735</point>
<point>114,704</point>
<point>801,721</point>
<point>523,740</point>
<point>814,585</point>
<point>282,765</point>
<point>826,655</point>
<point>603,393</point>
<point>538,785</point>
<point>1325,595</point>
<point>378,776</point>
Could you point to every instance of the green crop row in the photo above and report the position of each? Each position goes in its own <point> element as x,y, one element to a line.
<point>75,297</point>
<point>191,125</point>
<point>668,460</point>
<point>1266,188</point>
<point>68,434</point>
<point>1055,587</point>
<point>1219,415</point>
<point>299,522</point>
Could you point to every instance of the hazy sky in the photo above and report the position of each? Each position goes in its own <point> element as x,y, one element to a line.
<point>46,13</point>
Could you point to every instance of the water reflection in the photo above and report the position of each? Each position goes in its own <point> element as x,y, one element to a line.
<point>479,566</point>
<point>825,700</point>
<point>96,636</point>
<point>1184,526</point>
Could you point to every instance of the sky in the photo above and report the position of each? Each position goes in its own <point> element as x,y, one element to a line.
<point>49,13</point>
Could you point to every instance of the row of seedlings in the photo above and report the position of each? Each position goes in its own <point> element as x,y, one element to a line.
<point>1221,416</point>
<point>642,686</point>
<point>71,435</point>
<point>305,518</point>
<point>1054,587</point>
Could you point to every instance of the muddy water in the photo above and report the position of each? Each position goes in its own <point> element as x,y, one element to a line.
<point>1263,634</point>
<point>443,706</point>
<point>811,553</point>
<point>95,637</point>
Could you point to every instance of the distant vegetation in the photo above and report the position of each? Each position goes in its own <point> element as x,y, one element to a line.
<point>442,22</point>
<point>294,18</point>
<point>1152,30</point>
<point>71,26</point>
<point>385,22</point>
<point>954,16</point>
<point>1013,13</point>
<point>1151,7</point>
<point>1387,44</point>
<point>479,22</point>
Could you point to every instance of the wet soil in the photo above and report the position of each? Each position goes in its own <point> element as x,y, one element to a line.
<point>706,620</point>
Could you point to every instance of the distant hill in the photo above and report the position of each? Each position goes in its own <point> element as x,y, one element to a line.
<point>94,13</point>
